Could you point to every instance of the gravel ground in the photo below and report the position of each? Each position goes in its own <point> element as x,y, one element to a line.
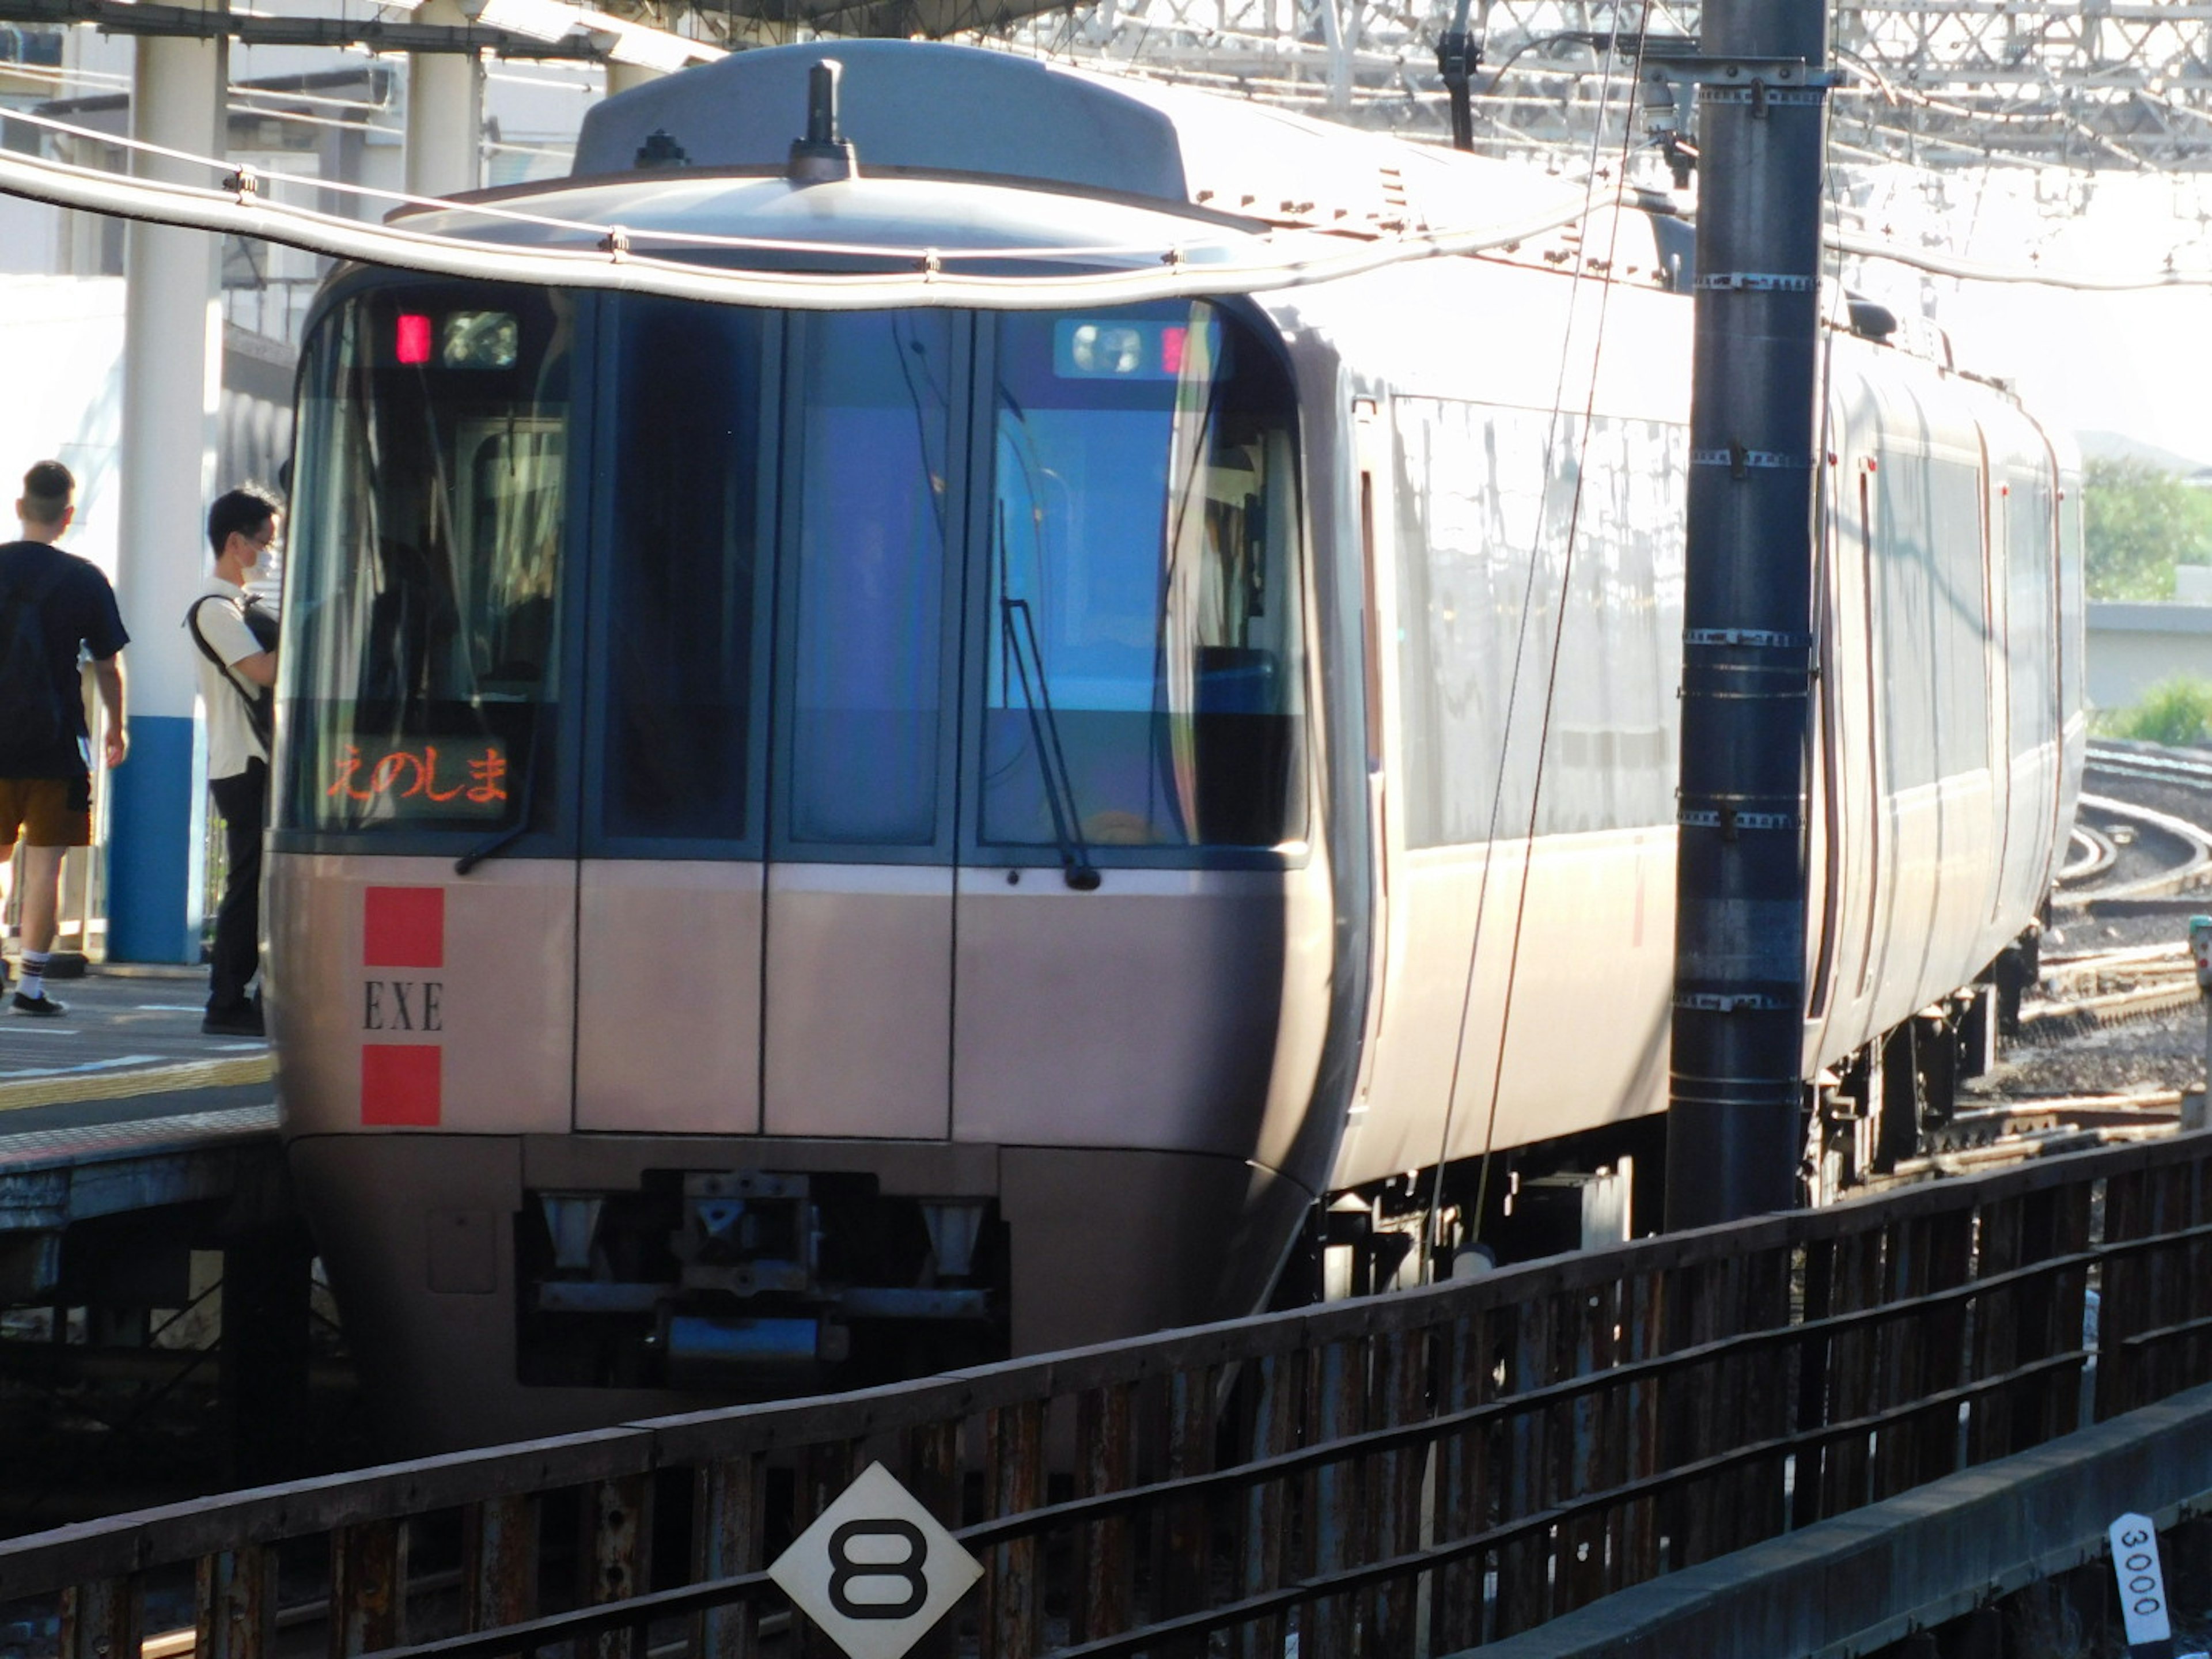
<point>2158,1051</point>
<point>2147,1053</point>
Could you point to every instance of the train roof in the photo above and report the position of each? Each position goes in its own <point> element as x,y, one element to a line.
<point>957,111</point>
<point>854,224</point>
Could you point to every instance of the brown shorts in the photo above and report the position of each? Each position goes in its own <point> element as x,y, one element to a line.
<point>49,811</point>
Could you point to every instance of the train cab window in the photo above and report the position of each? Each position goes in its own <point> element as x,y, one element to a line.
<point>428,520</point>
<point>682,596</point>
<point>1145,632</point>
<point>867,602</point>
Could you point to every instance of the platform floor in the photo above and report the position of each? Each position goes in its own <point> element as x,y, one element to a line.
<point>128,1049</point>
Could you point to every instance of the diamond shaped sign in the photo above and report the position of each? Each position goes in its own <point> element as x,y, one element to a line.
<point>876,1571</point>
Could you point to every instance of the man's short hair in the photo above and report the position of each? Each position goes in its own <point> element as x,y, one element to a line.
<point>48,489</point>
<point>243,510</point>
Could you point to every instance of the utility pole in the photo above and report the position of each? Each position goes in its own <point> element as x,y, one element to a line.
<point>1734,1135</point>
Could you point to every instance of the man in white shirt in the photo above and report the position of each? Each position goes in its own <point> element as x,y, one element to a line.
<point>237,642</point>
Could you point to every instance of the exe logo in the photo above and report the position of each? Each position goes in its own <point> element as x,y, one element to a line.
<point>403,1084</point>
<point>403,1004</point>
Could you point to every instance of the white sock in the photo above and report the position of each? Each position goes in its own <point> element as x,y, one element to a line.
<point>33,984</point>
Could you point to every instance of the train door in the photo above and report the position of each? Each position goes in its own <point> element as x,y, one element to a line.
<point>1830,839</point>
<point>856,1021</point>
<point>670,901</point>
<point>1873,751</point>
<point>1371,438</point>
<point>1997,654</point>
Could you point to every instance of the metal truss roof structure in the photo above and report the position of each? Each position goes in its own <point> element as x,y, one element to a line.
<point>1940,83</point>
<point>2092,84</point>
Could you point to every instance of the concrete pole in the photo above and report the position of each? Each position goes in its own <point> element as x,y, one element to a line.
<point>620,77</point>
<point>1735,1129</point>
<point>444,111</point>
<point>172,385</point>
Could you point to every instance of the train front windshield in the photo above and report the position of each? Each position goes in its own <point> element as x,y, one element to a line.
<point>429,511</point>
<point>821,568</point>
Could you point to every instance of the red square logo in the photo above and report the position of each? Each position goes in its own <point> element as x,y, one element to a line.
<point>401,1084</point>
<point>402,927</point>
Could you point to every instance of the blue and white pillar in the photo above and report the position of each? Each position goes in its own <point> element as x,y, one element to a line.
<point>171,385</point>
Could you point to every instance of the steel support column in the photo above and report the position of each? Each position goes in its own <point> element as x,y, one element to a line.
<point>1734,1135</point>
<point>172,385</point>
<point>445,112</point>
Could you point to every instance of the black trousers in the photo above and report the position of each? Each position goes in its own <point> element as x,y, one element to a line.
<point>243,800</point>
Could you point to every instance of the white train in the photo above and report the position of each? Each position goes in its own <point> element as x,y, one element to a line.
<point>814,846</point>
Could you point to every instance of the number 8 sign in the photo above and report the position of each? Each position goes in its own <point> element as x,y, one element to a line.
<point>876,1571</point>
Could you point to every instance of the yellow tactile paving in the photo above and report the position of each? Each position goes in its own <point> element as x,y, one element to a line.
<point>124,1083</point>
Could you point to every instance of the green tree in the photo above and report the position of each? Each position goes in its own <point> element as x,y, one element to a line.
<point>2138,522</point>
<point>2172,712</point>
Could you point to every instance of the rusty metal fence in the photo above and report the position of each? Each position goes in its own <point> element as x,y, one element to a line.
<point>1411,1474</point>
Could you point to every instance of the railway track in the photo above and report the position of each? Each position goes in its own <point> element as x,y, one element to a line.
<point>2110,988</point>
<point>2127,852</point>
<point>2143,805</point>
<point>2152,763</point>
<point>2141,851</point>
<point>2179,851</point>
<point>2094,853</point>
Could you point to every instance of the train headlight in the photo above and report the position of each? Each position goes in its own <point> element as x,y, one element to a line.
<point>480,339</point>
<point>1097,350</point>
<point>1084,349</point>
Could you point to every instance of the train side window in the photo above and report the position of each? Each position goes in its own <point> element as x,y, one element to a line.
<point>1955,508</point>
<point>1904,582</point>
<point>682,583</point>
<point>2030,648</point>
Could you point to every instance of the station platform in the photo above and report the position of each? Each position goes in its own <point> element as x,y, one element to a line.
<point>131,1036</point>
<point>122,1108</point>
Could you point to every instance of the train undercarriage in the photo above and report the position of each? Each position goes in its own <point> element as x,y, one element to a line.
<point>1891,1103</point>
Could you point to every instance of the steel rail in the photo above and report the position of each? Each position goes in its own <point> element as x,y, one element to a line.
<point>2094,862</point>
<point>2151,762</point>
<point>2114,1005</point>
<point>2191,870</point>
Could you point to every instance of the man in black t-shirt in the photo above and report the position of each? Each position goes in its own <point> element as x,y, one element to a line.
<point>52,604</point>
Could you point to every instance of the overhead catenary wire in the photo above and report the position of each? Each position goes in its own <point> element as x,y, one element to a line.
<point>309,181</point>
<point>120,85</point>
<point>1581,424</point>
<point>1273,262</point>
<point>1205,265</point>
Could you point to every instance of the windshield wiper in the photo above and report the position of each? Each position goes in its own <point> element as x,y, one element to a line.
<point>1044,731</point>
<point>525,809</point>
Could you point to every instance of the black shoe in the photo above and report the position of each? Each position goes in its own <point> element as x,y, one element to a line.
<point>234,1022</point>
<point>40,1006</point>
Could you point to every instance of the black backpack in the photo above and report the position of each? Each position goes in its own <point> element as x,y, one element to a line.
<point>260,699</point>
<point>31,712</point>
